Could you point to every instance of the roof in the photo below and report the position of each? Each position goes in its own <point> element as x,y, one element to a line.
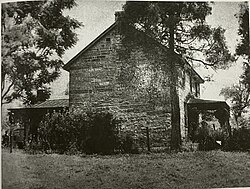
<point>56,103</point>
<point>198,75</point>
<point>68,64</point>
<point>207,104</point>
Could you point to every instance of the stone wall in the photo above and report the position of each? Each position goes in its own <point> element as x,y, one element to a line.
<point>185,89</point>
<point>95,83</point>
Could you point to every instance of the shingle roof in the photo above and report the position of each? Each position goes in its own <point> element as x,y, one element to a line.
<point>57,103</point>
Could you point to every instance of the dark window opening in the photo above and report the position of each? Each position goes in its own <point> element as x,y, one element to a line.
<point>108,40</point>
<point>197,89</point>
<point>191,83</point>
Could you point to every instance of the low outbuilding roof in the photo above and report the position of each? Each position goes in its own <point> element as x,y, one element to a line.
<point>56,103</point>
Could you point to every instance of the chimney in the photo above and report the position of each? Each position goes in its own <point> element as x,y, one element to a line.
<point>42,95</point>
<point>118,14</point>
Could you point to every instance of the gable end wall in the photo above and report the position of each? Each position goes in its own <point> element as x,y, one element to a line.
<point>94,83</point>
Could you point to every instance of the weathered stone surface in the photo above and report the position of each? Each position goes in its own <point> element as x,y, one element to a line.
<point>94,81</point>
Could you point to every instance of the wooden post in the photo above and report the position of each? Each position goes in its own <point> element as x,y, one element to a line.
<point>148,144</point>
<point>11,140</point>
<point>11,120</point>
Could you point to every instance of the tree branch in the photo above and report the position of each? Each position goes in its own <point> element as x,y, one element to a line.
<point>7,91</point>
<point>3,81</point>
<point>198,60</point>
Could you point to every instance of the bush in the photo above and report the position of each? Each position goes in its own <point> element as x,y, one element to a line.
<point>239,141</point>
<point>207,138</point>
<point>71,131</point>
<point>128,144</point>
<point>102,134</point>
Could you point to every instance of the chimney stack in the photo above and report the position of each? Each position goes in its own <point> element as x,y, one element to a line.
<point>118,14</point>
<point>42,95</point>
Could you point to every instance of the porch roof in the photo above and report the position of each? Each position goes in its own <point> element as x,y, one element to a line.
<point>48,104</point>
<point>203,104</point>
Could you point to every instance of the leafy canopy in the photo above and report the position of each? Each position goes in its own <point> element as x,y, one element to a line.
<point>193,37</point>
<point>35,35</point>
<point>239,96</point>
<point>243,47</point>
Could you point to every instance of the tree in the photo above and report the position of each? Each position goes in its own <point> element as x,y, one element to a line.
<point>243,48</point>
<point>35,35</point>
<point>239,95</point>
<point>181,27</point>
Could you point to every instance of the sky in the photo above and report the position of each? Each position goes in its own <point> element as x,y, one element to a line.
<point>97,16</point>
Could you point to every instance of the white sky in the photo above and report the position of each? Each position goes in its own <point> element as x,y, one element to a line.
<point>99,15</point>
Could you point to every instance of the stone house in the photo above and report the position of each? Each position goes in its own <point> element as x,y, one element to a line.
<point>95,74</point>
<point>136,87</point>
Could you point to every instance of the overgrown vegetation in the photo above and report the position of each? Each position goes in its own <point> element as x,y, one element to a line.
<point>239,141</point>
<point>77,131</point>
<point>96,132</point>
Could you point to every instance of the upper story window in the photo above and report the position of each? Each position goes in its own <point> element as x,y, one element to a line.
<point>191,82</point>
<point>197,89</point>
<point>183,78</point>
<point>108,40</point>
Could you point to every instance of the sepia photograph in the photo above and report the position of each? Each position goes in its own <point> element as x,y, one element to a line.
<point>125,94</point>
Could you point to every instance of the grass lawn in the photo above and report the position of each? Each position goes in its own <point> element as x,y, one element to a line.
<point>182,170</point>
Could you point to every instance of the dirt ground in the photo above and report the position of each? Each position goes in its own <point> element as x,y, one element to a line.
<point>182,170</point>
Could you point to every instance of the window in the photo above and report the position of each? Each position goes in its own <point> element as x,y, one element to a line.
<point>108,40</point>
<point>197,89</point>
<point>191,83</point>
<point>183,78</point>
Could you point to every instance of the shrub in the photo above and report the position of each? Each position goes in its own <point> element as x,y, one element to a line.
<point>71,131</point>
<point>239,141</point>
<point>207,138</point>
<point>128,144</point>
<point>102,134</point>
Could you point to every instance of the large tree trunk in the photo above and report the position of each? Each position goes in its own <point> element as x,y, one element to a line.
<point>175,107</point>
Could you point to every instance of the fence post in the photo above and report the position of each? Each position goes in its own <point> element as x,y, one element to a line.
<point>148,144</point>
<point>11,140</point>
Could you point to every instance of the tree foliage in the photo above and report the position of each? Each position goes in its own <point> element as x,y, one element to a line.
<point>35,35</point>
<point>243,48</point>
<point>193,37</point>
<point>240,98</point>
